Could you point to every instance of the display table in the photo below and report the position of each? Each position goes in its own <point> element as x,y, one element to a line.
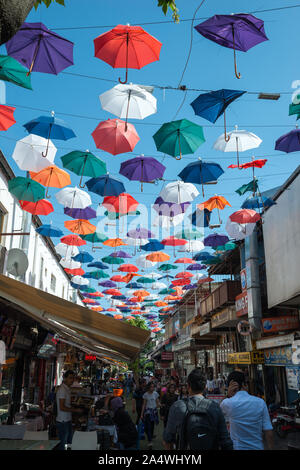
<point>34,424</point>
<point>19,444</point>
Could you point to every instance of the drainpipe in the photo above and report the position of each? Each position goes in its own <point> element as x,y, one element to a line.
<point>25,239</point>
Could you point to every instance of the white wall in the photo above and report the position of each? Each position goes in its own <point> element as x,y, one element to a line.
<point>35,248</point>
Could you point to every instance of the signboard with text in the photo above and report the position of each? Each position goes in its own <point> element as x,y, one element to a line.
<point>273,324</point>
<point>167,356</point>
<point>278,356</point>
<point>241,304</point>
<point>253,357</point>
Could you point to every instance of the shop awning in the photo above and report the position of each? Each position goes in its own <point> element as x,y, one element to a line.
<point>115,338</point>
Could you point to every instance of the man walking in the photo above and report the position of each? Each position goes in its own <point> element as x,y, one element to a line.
<point>248,416</point>
<point>199,422</point>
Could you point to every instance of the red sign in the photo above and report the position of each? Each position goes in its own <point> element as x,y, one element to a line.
<point>241,304</point>
<point>88,357</point>
<point>167,356</point>
<point>165,365</point>
<point>288,322</point>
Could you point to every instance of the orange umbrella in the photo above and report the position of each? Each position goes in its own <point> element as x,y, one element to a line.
<point>178,290</point>
<point>141,293</point>
<point>89,301</point>
<point>96,294</point>
<point>81,226</point>
<point>184,274</point>
<point>160,304</point>
<point>97,309</point>
<point>158,257</point>
<point>185,261</point>
<point>215,202</point>
<point>114,242</point>
<point>172,297</point>
<point>52,177</point>
<point>136,312</point>
<point>128,268</point>
<point>118,316</point>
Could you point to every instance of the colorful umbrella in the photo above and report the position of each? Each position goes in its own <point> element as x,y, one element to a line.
<point>143,169</point>
<point>128,268</point>
<point>195,267</point>
<point>178,192</point>
<point>172,241</point>
<point>144,263</point>
<point>245,216</point>
<point>80,226</point>
<point>73,197</point>
<point>202,256</point>
<point>83,257</point>
<point>12,71</point>
<point>258,202</point>
<point>80,281</point>
<point>65,251</point>
<point>83,164</point>
<point>249,187</point>
<point>49,127</point>
<point>239,141</point>
<point>99,274</point>
<point>53,177</point>
<point>185,261</point>
<point>289,142</point>
<point>95,237</point>
<point>107,284</point>
<point>75,272</point>
<point>201,172</point>
<point>146,280</point>
<point>6,117</point>
<point>117,278</point>
<point>41,207</point>
<point>115,136</point>
<point>140,233</point>
<point>181,282</point>
<point>73,240</point>
<point>158,257</point>
<point>127,47</point>
<point>166,267</point>
<point>49,231</point>
<point>215,202</point>
<point>28,153</point>
<point>40,49</point>
<point>105,186</point>
<point>169,209</point>
<point>152,245</point>
<point>69,263</point>
<point>122,204</point>
<point>239,32</point>
<point>179,138</point>
<point>187,234</point>
<point>26,189</point>
<point>114,242</point>
<point>215,240</point>
<point>212,105</point>
<point>87,213</point>
<point>120,254</point>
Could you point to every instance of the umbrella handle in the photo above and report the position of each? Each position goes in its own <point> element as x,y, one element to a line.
<point>237,153</point>
<point>126,77</point>
<point>80,185</point>
<point>34,57</point>
<point>238,75</point>
<point>178,132</point>
<point>47,195</point>
<point>226,137</point>
<point>47,142</point>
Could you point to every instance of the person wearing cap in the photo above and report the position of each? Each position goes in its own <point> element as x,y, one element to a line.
<point>127,432</point>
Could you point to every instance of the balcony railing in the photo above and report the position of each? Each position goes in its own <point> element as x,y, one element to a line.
<point>219,298</point>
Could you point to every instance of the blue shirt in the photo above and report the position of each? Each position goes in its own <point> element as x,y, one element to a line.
<point>248,417</point>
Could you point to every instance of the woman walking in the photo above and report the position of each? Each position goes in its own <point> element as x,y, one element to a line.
<point>150,411</point>
<point>167,401</point>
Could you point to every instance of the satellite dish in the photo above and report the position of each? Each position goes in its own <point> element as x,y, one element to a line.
<point>17,262</point>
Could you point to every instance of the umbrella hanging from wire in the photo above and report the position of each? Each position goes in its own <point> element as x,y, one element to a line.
<point>12,71</point>
<point>115,136</point>
<point>6,117</point>
<point>215,202</point>
<point>253,164</point>
<point>143,169</point>
<point>240,141</point>
<point>26,189</point>
<point>28,153</point>
<point>105,186</point>
<point>41,207</point>
<point>84,164</point>
<point>201,172</point>
<point>87,213</point>
<point>53,177</point>
<point>73,197</point>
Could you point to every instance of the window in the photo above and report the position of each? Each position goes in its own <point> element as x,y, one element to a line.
<point>53,283</point>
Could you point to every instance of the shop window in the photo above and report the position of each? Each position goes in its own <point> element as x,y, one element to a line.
<point>53,283</point>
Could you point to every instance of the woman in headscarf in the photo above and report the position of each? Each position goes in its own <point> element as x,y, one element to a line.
<point>127,432</point>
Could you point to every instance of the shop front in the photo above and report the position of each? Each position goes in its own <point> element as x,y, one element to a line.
<point>251,363</point>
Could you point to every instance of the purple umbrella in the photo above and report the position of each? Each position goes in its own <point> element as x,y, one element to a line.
<point>195,267</point>
<point>40,49</point>
<point>190,286</point>
<point>143,169</point>
<point>120,254</point>
<point>87,213</point>
<point>215,240</point>
<point>140,233</point>
<point>289,142</point>
<point>107,284</point>
<point>238,32</point>
<point>169,209</point>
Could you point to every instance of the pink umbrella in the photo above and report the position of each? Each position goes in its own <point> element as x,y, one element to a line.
<point>111,136</point>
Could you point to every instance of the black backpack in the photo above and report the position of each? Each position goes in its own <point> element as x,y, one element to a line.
<point>198,430</point>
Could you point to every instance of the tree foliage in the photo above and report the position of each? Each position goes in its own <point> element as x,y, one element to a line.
<point>166,4</point>
<point>48,2</point>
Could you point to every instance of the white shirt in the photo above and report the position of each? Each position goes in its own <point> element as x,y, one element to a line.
<point>2,352</point>
<point>63,392</point>
<point>151,399</point>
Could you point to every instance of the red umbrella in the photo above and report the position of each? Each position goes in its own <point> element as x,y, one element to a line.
<point>89,301</point>
<point>135,299</point>
<point>96,294</point>
<point>127,47</point>
<point>184,274</point>
<point>113,292</point>
<point>75,272</point>
<point>112,310</point>
<point>156,330</point>
<point>173,241</point>
<point>117,278</point>
<point>204,280</point>
<point>112,137</point>
<point>130,318</point>
<point>73,240</point>
<point>181,282</point>
<point>41,207</point>
<point>253,164</point>
<point>6,117</point>
<point>245,216</point>
<point>121,204</point>
<point>118,316</point>
<point>185,261</point>
<point>128,268</point>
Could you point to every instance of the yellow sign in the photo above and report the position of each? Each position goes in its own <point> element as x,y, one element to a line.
<point>254,357</point>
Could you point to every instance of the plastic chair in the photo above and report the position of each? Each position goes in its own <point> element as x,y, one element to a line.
<point>84,440</point>
<point>36,436</point>
<point>12,431</point>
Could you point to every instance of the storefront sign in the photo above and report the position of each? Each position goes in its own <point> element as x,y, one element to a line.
<point>205,329</point>
<point>167,356</point>
<point>89,357</point>
<point>288,322</point>
<point>293,378</point>
<point>275,341</point>
<point>244,280</point>
<point>165,365</point>
<point>241,304</point>
<point>253,357</point>
<point>228,314</point>
<point>202,358</point>
<point>278,356</point>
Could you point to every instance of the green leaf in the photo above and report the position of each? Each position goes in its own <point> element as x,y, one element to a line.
<point>61,2</point>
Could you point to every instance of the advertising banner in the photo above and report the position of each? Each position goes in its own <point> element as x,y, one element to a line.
<point>273,324</point>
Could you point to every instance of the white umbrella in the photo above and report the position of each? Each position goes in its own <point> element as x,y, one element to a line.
<point>179,192</point>
<point>167,222</point>
<point>144,263</point>
<point>154,275</point>
<point>159,285</point>
<point>69,263</point>
<point>73,197</point>
<point>28,153</point>
<point>66,251</point>
<point>82,281</point>
<point>239,141</point>
<point>238,231</point>
<point>129,101</point>
<point>192,245</point>
<point>199,276</point>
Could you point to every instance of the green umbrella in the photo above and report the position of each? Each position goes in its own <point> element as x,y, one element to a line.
<point>189,234</point>
<point>179,138</point>
<point>146,280</point>
<point>167,291</point>
<point>26,189</point>
<point>116,215</point>
<point>249,187</point>
<point>167,267</point>
<point>84,164</point>
<point>12,71</point>
<point>98,274</point>
<point>212,261</point>
<point>89,290</point>
<point>227,247</point>
<point>94,237</point>
<point>112,260</point>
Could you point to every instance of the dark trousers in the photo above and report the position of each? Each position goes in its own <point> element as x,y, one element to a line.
<point>65,433</point>
<point>149,427</point>
<point>138,412</point>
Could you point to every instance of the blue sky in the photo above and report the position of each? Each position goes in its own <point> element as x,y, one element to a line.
<point>272,66</point>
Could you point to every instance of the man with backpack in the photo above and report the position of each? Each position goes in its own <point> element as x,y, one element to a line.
<point>196,423</point>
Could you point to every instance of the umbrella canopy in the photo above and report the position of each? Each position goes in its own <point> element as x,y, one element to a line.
<point>183,275</point>
<point>28,153</point>
<point>12,71</point>
<point>146,280</point>
<point>69,263</point>
<point>122,204</point>
<point>187,234</point>
<point>258,202</point>
<point>201,256</point>
<point>245,216</point>
<point>95,237</point>
<point>40,49</point>
<point>167,222</point>
<point>195,267</point>
<point>26,189</point>
<point>185,261</point>
<point>87,213</point>
<point>140,233</point>
<point>99,274</point>
<point>144,263</point>
<point>117,278</point>
<point>181,282</point>
<point>249,187</point>
<point>75,272</point>
<point>215,202</point>
<point>169,209</point>
<point>127,47</point>
<point>128,268</point>
<point>65,251</point>
<point>52,176</point>
<point>178,192</point>
<point>105,186</point>
<point>49,231</point>
<point>172,241</point>
<point>6,117</point>
<point>84,164</point>
<point>107,284</point>
<point>111,260</point>
<point>253,164</point>
<point>80,226</point>
<point>152,245</point>
<point>166,267</point>
<point>133,285</point>
<point>238,32</point>
<point>114,242</point>
<point>120,254</point>
<point>41,207</point>
<point>83,257</point>
<point>239,141</point>
<point>158,257</point>
<point>73,240</point>
<point>80,280</point>
<point>73,197</point>
<point>115,136</point>
<point>143,169</point>
<point>212,105</point>
<point>201,172</point>
<point>158,285</point>
<point>178,138</point>
<point>215,240</point>
<point>289,142</point>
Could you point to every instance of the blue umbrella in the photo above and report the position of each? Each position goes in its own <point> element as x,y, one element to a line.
<point>105,186</point>
<point>212,105</point>
<point>124,309</point>
<point>195,267</point>
<point>258,202</point>
<point>109,315</point>
<point>49,231</point>
<point>203,255</point>
<point>200,218</point>
<point>153,245</point>
<point>118,297</point>
<point>134,285</point>
<point>168,276</point>
<point>201,172</point>
<point>83,257</point>
<point>49,127</point>
<point>98,264</point>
